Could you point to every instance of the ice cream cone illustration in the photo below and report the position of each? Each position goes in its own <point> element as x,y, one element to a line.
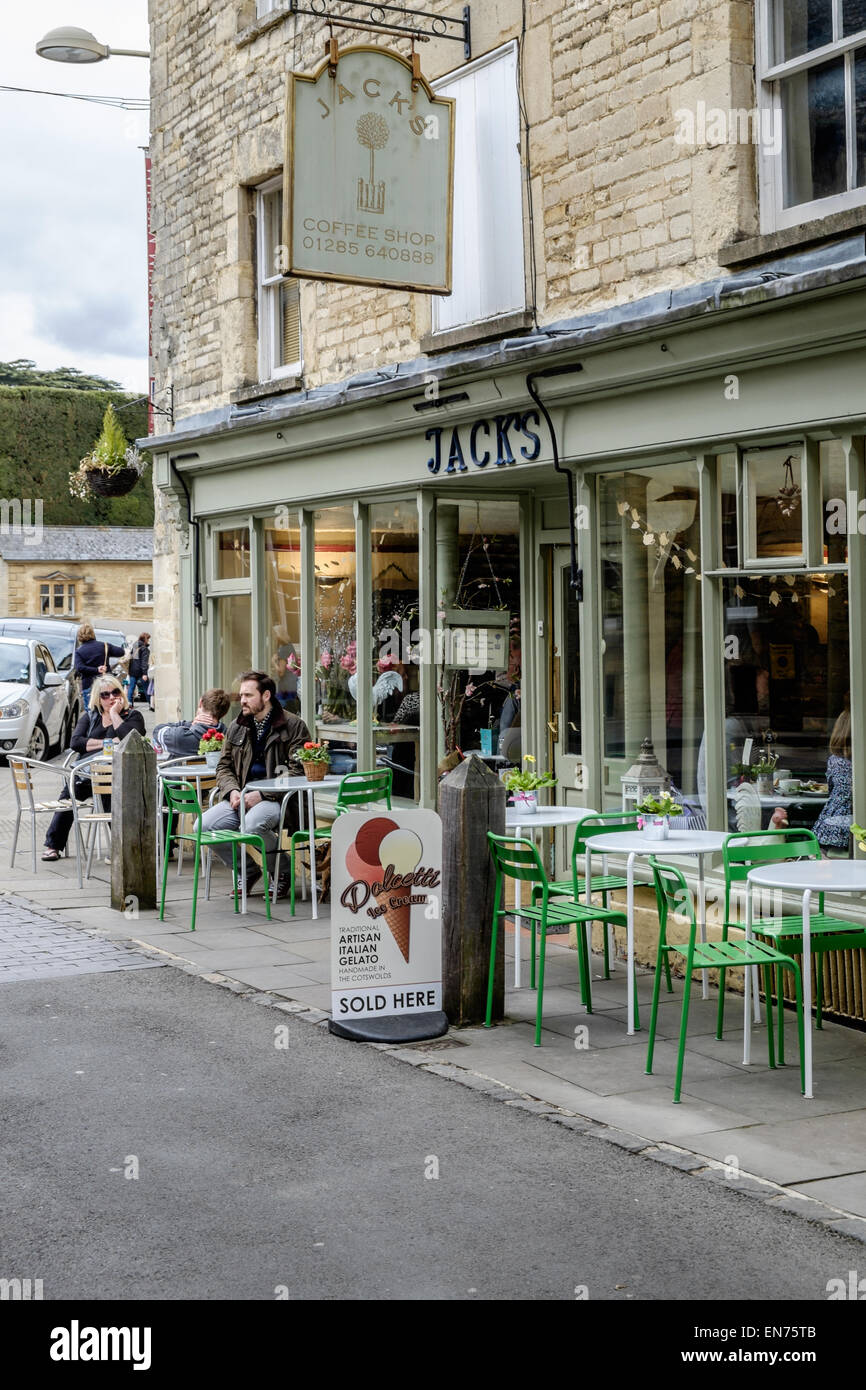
<point>400,850</point>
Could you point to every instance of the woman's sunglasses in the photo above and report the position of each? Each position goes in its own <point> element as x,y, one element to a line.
<point>110,695</point>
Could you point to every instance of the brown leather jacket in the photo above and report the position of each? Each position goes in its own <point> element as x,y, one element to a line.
<point>287,734</point>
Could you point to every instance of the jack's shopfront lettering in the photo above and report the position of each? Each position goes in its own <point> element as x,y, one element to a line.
<point>478,445</point>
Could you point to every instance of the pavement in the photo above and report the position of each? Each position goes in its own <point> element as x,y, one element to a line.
<point>165,1140</point>
<point>747,1126</point>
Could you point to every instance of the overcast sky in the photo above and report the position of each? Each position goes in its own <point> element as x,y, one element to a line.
<point>73,252</point>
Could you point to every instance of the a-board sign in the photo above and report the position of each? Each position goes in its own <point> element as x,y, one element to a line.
<point>369,170</point>
<point>386,919</point>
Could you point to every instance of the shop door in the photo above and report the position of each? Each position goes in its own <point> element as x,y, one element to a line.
<point>564,683</point>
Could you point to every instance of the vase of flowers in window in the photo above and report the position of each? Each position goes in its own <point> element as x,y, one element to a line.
<point>654,814</point>
<point>523,784</point>
<point>210,745</point>
<point>764,770</point>
<point>316,760</point>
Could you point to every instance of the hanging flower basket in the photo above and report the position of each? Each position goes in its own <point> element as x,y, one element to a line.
<point>116,484</point>
<point>112,468</point>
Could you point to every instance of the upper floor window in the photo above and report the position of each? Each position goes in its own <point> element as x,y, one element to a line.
<point>278,302</point>
<point>144,595</point>
<point>488,260</point>
<point>811,75</point>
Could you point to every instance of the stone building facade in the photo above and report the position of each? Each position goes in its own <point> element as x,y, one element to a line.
<point>103,574</point>
<point>615,207</point>
<point>621,457</point>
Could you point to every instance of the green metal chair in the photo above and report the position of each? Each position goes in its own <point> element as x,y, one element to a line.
<point>602,823</point>
<point>357,791</point>
<point>519,860</point>
<point>182,801</point>
<point>743,852</point>
<point>673,897</point>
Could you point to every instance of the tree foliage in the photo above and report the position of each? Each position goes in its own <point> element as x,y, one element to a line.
<point>45,432</point>
<point>23,372</point>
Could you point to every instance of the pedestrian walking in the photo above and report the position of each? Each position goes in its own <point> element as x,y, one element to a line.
<point>139,662</point>
<point>92,657</point>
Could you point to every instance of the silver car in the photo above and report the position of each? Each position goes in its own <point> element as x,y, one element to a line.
<point>34,700</point>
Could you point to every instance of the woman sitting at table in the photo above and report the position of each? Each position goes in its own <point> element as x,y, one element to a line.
<point>109,716</point>
<point>833,826</point>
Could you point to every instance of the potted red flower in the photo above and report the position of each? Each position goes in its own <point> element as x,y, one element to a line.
<point>211,745</point>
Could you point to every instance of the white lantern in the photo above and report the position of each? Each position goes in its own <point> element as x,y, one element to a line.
<point>646,777</point>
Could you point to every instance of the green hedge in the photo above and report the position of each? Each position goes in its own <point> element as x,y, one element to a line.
<point>44,431</point>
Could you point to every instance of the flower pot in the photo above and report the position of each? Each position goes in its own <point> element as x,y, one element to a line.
<point>314,772</point>
<point>116,484</point>
<point>526,802</point>
<point>764,783</point>
<point>212,759</point>
<point>657,827</point>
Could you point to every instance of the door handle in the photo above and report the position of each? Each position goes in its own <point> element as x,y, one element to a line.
<point>553,725</point>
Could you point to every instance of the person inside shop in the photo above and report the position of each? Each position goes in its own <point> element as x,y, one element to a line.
<point>833,826</point>
<point>92,656</point>
<point>181,740</point>
<point>262,738</point>
<point>109,716</point>
<point>286,667</point>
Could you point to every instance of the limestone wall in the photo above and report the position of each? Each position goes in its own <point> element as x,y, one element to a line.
<point>616,207</point>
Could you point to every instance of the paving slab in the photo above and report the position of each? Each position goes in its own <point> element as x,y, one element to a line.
<point>847,1192</point>
<point>793,1152</point>
<point>275,977</point>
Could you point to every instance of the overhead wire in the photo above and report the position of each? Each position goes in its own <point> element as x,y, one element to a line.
<point>122,103</point>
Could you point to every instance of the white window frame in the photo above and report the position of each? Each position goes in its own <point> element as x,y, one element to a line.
<point>440,306</point>
<point>768,85</point>
<point>147,601</point>
<point>269,286</point>
<point>266,7</point>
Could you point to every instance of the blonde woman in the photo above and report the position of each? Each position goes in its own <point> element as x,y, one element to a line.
<point>91,656</point>
<point>109,716</point>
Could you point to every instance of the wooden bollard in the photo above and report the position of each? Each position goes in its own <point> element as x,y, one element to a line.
<point>471,802</point>
<point>133,825</point>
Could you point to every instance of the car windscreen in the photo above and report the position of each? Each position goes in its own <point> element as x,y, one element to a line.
<point>59,643</point>
<point>14,663</point>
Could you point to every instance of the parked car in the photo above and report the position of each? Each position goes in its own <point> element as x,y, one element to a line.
<point>58,635</point>
<point>35,715</point>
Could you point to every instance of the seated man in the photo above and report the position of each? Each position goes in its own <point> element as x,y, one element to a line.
<point>263,738</point>
<point>182,740</point>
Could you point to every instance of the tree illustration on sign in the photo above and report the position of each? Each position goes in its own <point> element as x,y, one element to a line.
<point>372,132</point>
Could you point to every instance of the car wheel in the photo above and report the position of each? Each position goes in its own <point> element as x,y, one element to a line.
<point>38,745</point>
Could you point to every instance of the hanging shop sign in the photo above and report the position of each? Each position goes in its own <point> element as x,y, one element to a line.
<point>386,919</point>
<point>504,439</point>
<point>369,174</point>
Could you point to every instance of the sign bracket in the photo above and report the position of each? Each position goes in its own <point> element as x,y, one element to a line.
<point>420,24</point>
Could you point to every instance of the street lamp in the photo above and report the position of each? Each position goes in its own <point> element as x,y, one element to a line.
<point>71,45</point>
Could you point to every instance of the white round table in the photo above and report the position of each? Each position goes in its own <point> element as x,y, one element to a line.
<point>518,823</point>
<point>807,877</point>
<point>289,786</point>
<point>690,843</point>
